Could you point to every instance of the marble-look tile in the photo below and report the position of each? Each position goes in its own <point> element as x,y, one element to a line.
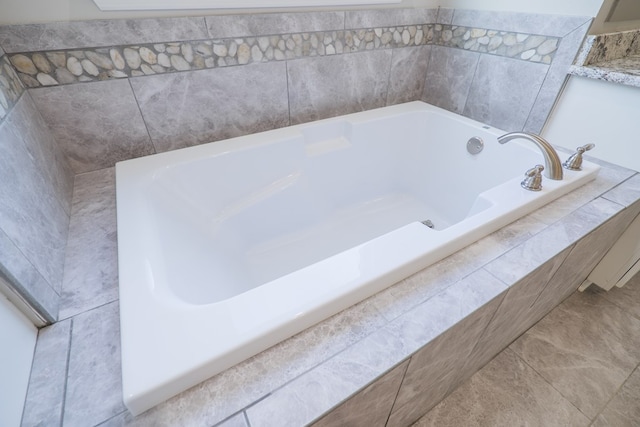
<point>514,316</point>
<point>624,408</point>
<point>590,357</point>
<point>408,68</point>
<point>445,16</point>
<point>45,395</point>
<point>44,150</point>
<point>503,91</point>
<point>96,33</point>
<point>449,77</point>
<point>97,124</point>
<point>320,389</point>
<point>30,213</point>
<point>583,258</point>
<point>507,392</point>
<point>389,17</point>
<point>186,109</point>
<point>312,394</point>
<point>542,247</point>
<point>227,26</point>
<point>530,255</point>
<point>567,49</point>
<point>626,297</point>
<point>249,381</point>
<point>548,25</point>
<point>410,292</point>
<point>94,383</point>
<point>238,420</point>
<point>626,193</point>
<point>607,179</point>
<point>369,407</point>
<point>91,271</point>
<point>26,280</point>
<point>335,85</point>
<point>1,51</point>
<point>434,368</point>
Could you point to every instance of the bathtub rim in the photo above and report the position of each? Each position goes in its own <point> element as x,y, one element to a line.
<point>166,317</point>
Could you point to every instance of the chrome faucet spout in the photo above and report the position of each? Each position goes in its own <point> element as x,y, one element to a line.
<point>553,165</point>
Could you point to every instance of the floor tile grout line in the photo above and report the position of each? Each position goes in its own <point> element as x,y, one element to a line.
<point>615,394</point>
<point>542,377</point>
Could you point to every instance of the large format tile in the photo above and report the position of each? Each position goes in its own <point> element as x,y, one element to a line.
<point>389,17</point>
<point>91,273</point>
<point>626,297</point>
<point>624,408</point>
<point>227,26</point>
<point>335,85</point>
<point>550,25</point>
<point>515,315</point>
<point>449,77</point>
<point>550,90</point>
<point>94,383</point>
<point>26,280</point>
<point>45,396</point>
<point>433,369</point>
<point>503,91</point>
<point>97,124</point>
<point>583,258</point>
<point>96,33</point>
<point>369,407</point>
<point>44,150</point>
<point>408,68</point>
<point>185,109</point>
<point>590,357</point>
<point>31,214</point>
<point>247,382</point>
<point>507,392</point>
<point>626,193</point>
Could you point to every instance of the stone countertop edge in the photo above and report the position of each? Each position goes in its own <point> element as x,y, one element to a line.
<point>604,73</point>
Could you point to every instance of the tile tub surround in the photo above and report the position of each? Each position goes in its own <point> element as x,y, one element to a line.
<point>344,363</point>
<point>577,366</point>
<point>36,184</point>
<point>381,57</point>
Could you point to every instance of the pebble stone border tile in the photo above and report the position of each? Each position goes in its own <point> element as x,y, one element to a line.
<point>10,87</point>
<point>61,67</point>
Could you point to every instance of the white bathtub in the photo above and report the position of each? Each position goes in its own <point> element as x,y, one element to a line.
<point>227,248</point>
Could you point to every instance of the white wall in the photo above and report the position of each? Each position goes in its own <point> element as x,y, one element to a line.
<point>17,341</point>
<point>30,11</point>
<point>556,7</point>
<point>606,114</point>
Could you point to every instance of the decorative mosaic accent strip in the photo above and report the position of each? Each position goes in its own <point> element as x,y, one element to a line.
<point>72,66</point>
<point>527,47</point>
<point>10,87</point>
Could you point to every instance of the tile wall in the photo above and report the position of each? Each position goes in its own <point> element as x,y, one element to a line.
<point>386,360</point>
<point>36,183</point>
<point>114,90</point>
<point>103,91</point>
<point>99,92</point>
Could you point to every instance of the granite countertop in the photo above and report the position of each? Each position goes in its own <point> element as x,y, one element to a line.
<point>613,57</point>
<point>624,71</point>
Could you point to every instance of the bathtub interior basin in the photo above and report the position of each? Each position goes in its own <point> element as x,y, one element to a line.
<point>227,248</point>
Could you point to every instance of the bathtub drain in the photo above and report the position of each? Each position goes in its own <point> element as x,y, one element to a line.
<point>428,223</point>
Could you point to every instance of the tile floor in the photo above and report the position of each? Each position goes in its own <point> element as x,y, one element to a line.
<point>578,366</point>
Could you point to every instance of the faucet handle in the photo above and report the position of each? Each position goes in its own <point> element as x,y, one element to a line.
<point>574,162</point>
<point>533,179</point>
